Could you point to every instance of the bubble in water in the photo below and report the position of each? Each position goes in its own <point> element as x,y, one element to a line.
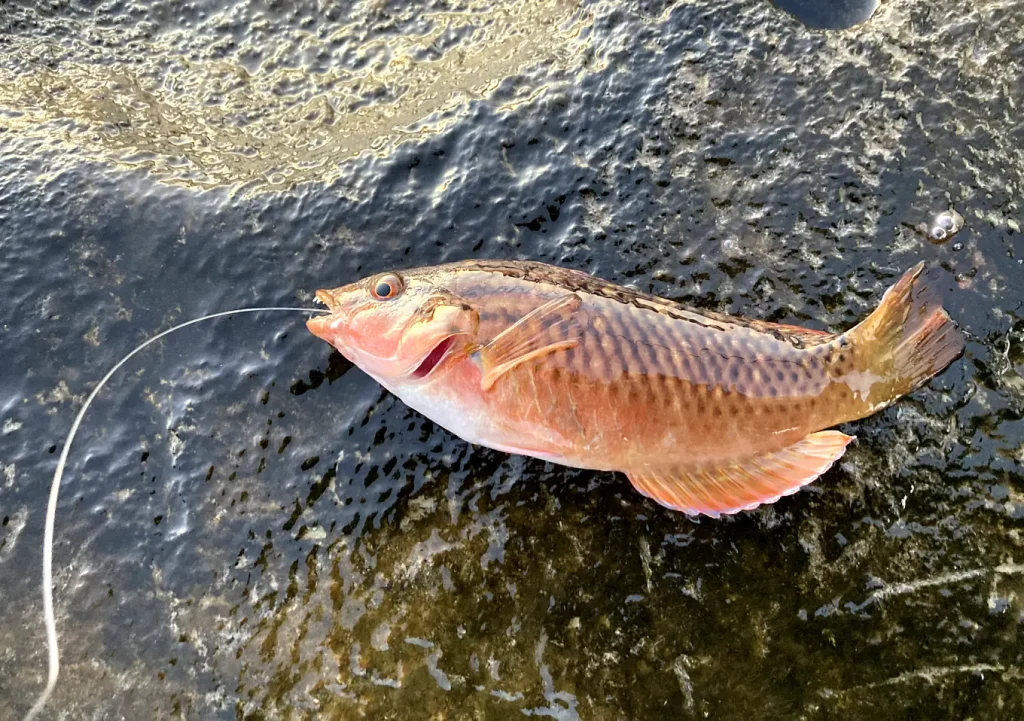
<point>958,246</point>
<point>945,225</point>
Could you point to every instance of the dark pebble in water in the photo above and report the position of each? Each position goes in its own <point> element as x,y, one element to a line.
<point>834,15</point>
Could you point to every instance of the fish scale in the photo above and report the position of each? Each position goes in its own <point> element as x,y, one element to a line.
<point>658,368</point>
<point>704,412</point>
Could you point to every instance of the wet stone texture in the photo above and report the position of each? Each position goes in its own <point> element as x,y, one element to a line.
<point>251,529</point>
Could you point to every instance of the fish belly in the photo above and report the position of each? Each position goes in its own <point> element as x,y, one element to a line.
<point>456,402</point>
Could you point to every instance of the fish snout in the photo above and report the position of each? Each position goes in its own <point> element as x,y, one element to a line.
<point>325,325</point>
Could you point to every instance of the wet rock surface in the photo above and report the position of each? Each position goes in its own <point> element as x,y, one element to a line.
<point>251,528</point>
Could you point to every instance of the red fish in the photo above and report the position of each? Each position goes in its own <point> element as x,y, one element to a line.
<point>705,413</point>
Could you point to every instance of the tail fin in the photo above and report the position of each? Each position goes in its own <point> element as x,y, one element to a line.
<point>908,339</point>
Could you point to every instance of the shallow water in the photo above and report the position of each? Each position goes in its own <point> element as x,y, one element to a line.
<point>250,528</point>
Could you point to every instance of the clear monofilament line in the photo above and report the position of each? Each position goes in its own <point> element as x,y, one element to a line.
<point>51,510</point>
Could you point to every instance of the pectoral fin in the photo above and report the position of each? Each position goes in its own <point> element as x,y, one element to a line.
<point>548,328</point>
<point>717,489</point>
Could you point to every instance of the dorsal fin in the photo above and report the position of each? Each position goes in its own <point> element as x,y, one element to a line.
<point>806,336</point>
<point>576,281</point>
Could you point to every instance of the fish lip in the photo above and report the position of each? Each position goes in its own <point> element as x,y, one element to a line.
<point>320,325</point>
<point>327,298</point>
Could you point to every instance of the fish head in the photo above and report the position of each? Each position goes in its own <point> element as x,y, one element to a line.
<point>399,328</point>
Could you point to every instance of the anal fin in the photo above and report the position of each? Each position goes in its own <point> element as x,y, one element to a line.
<point>548,328</point>
<point>730,487</point>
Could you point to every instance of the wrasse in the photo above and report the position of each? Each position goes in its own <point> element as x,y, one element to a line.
<point>705,413</point>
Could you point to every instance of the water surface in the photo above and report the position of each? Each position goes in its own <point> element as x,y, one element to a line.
<point>253,529</point>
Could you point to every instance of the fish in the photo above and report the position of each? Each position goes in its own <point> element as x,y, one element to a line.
<point>705,413</point>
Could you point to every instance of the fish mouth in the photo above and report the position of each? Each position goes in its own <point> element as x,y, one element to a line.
<point>433,358</point>
<point>327,299</point>
<point>324,324</point>
<point>320,324</point>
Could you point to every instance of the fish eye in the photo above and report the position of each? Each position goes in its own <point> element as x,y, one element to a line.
<point>387,286</point>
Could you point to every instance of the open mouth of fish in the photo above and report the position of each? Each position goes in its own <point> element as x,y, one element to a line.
<point>322,296</point>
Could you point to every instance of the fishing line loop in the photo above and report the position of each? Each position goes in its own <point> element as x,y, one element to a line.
<point>51,508</point>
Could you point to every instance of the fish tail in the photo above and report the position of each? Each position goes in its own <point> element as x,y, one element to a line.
<point>908,339</point>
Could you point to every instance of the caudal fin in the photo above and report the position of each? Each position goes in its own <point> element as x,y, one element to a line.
<point>908,339</point>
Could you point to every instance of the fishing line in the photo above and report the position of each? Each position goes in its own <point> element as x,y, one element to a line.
<point>51,510</point>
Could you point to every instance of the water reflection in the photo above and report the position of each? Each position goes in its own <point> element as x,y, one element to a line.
<point>830,15</point>
<point>275,111</point>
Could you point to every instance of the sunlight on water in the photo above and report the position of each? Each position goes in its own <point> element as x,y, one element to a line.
<point>272,110</point>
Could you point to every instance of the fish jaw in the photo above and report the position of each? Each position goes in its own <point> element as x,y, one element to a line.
<point>406,338</point>
<point>366,331</point>
<point>323,327</point>
<point>332,327</point>
<point>396,370</point>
